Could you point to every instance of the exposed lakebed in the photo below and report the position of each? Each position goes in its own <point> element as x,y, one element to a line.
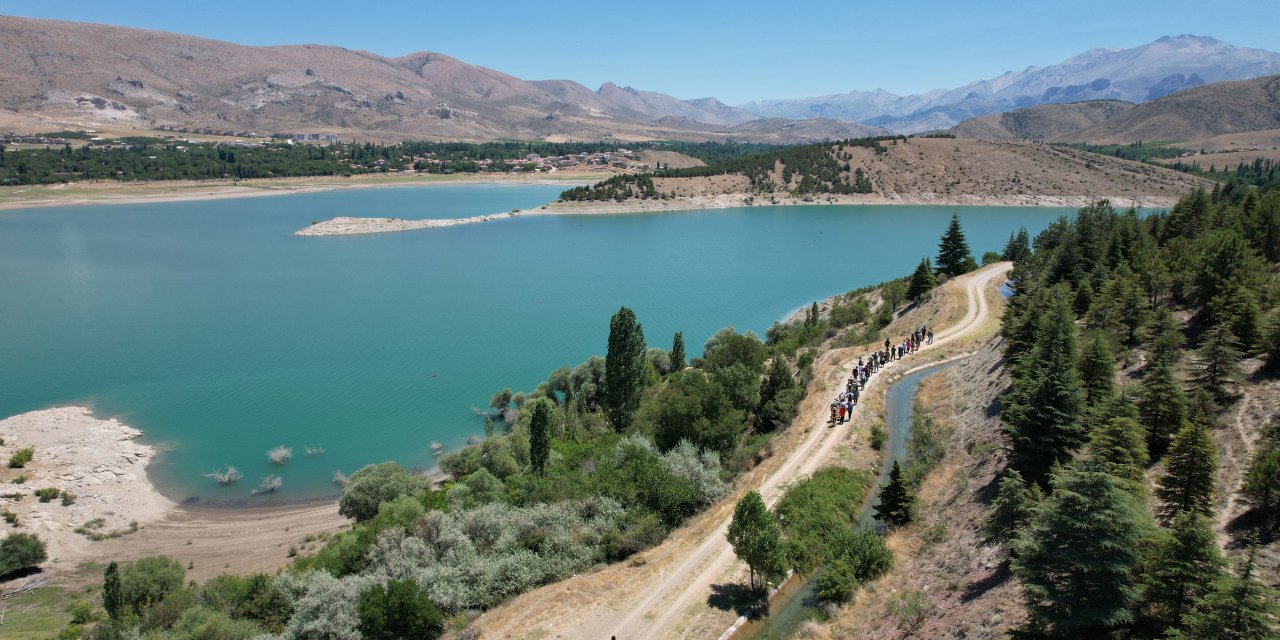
<point>220,335</point>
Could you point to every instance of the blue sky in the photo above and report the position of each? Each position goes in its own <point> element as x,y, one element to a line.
<point>735,51</point>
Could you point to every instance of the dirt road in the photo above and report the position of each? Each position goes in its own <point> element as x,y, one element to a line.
<point>654,605</point>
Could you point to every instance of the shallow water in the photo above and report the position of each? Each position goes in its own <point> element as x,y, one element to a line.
<point>220,335</point>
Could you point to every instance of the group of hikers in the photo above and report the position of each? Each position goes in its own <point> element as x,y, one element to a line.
<point>842,407</point>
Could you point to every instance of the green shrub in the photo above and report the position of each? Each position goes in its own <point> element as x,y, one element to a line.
<point>10,517</point>
<point>205,624</point>
<point>166,613</point>
<point>20,551</point>
<point>373,485</point>
<point>68,498</point>
<point>837,582</point>
<point>47,494</point>
<point>21,457</point>
<point>18,480</point>
<point>148,581</point>
<point>82,612</point>
<point>399,609</point>
<point>878,435</point>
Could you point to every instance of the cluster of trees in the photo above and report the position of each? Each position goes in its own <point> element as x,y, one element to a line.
<point>149,158</point>
<point>801,170</point>
<point>812,528</point>
<point>168,162</point>
<point>147,599</point>
<point>1262,172</point>
<point>619,188</point>
<point>1092,558</point>
<point>599,462</point>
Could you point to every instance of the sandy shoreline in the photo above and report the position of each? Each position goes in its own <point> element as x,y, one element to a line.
<point>103,465</point>
<point>98,193</point>
<point>346,225</point>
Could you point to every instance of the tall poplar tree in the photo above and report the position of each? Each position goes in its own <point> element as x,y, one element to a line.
<point>540,436</point>
<point>678,362</point>
<point>624,368</point>
<point>1190,466</point>
<point>1044,410</point>
<point>112,593</point>
<point>953,250</point>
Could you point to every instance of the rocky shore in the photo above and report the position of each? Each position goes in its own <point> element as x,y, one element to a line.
<point>352,226</point>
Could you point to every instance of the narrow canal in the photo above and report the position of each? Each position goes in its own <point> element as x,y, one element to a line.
<point>796,601</point>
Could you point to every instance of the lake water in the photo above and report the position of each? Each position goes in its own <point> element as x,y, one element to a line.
<point>221,335</point>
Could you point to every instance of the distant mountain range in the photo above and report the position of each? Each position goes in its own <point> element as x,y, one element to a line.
<point>1200,112</point>
<point>1135,75</point>
<point>95,74</point>
<point>77,74</point>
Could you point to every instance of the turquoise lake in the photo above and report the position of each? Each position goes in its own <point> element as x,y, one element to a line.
<point>220,335</point>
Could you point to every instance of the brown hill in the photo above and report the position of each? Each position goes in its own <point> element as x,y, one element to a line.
<point>946,170</point>
<point>1210,110</point>
<point>1041,122</point>
<point>98,75</point>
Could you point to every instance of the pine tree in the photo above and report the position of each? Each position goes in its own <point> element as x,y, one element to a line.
<point>1235,608</point>
<point>539,437</point>
<point>1246,321</point>
<point>1162,406</point>
<point>1077,558</point>
<point>677,352</point>
<point>756,538</point>
<point>112,595</point>
<point>1262,485</point>
<point>1164,337</point>
<point>1218,360</point>
<point>1119,447</point>
<point>624,369</point>
<point>1012,507</point>
<point>1044,410</point>
<point>1018,248</point>
<point>1098,371</point>
<point>953,251</point>
<point>897,503</point>
<point>1190,466</point>
<point>1180,567</point>
<point>1271,345</point>
<point>922,281</point>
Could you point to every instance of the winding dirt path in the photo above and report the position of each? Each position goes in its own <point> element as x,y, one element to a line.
<point>652,616</point>
<point>654,605</point>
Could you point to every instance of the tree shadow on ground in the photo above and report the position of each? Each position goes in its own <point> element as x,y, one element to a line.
<point>735,597</point>
<point>982,585</point>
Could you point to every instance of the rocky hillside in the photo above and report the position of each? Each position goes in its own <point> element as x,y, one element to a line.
<point>1224,107</point>
<point>1137,74</point>
<point>97,75</point>
<point>938,170</point>
<point>1042,122</point>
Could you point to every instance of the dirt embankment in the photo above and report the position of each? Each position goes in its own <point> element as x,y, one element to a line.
<point>962,584</point>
